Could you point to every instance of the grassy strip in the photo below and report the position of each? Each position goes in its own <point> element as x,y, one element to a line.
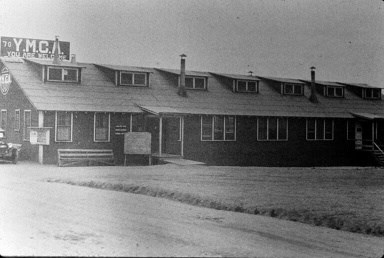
<point>337,222</point>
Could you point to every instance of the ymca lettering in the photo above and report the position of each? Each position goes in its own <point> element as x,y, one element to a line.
<point>32,48</point>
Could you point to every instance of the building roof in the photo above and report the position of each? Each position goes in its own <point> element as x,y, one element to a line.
<point>286,80</point>
<point>127,68</point>
<point>98,93</point>
<point>326,83</point>
<point>363,85</point>
<point>187,73</point>
<point>63,63</point>
<point>238,76</point>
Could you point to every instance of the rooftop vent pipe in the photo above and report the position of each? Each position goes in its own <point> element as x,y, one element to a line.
<point>313,97</point>
<point>250,73</point>
<point>56,51</point>
<point>73,59</point>
<point>182,92</point>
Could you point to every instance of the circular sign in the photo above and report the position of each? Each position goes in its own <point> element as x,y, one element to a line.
<point>5,80</point>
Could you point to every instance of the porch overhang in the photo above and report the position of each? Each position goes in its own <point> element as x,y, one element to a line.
<point>367,116</point>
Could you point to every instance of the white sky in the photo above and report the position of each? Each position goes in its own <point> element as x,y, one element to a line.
<point>344,39</point>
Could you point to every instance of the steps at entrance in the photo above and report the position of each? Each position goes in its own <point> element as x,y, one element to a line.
<point>176,159</point>
<point>379,157</point>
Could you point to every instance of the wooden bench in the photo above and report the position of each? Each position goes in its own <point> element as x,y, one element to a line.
<point>68,157</point>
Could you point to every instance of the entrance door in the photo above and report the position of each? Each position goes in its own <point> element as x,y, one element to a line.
<point>172,135</point>
<point>358,136</point>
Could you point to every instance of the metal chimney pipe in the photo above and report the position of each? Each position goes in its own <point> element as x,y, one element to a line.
<point>182,92</point>
<point>313,97</point>
<point>56,59</point>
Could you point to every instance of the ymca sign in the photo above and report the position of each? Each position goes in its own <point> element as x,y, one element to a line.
<point>32,48</point>
<point>5,80</point>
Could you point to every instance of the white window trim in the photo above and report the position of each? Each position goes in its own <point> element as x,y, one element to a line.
<point>277,131</point>
<point>213,129</point>
<point>56,127</point>
<point>94,128</point>
<point>334,87</point>
<point>133,79</point>
<point>193,82</point>
<point>246,86</point>
<point>17,129</point>
<point>323,139</point>
<point>62,74</point>
<point>293,89</point>
<point>30,123</point>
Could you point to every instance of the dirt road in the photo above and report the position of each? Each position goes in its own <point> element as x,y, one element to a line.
<point>41,218</point>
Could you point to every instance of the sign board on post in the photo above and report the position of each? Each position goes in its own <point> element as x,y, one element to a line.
<point>39,135</point>
<point>137,143</point>
<point>32,48</point>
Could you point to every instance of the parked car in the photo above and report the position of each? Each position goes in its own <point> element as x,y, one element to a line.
<point>9,152</point>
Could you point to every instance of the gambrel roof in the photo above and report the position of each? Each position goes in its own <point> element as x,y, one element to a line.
<point>98,93</point>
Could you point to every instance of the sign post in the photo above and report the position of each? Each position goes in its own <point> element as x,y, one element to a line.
<point>137,143</point>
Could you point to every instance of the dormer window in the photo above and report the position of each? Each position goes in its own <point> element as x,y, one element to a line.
<point>247,86</point>
<point>293,89</point>
<point>370,93</point>
<point>133,79</point>
<point>60,74</point>
<point>197,83</point>
<point>334,92</point>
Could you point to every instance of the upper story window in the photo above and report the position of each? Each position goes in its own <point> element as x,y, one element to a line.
<point>293,89</point>
<point>133,79</point>
<point>197,83</point>
<point>60,74</point>
<point>247,86</point>
<point>370,93</point>
<point>334,91</point>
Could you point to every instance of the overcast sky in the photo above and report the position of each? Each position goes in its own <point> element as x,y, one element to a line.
<point>344,39</point>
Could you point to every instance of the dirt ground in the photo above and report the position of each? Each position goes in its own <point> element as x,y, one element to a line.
<point>345,198</point>
<point>41,216</point>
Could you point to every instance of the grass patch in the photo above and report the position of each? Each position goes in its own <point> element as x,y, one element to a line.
<point>337,222</point>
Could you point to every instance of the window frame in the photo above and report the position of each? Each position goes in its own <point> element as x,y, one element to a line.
<point>16,125</point>
<point>62,74</point>
<point>212,122</point>
<point>109,127</point>
<point>247,86</point>
<point>371,95</point>
<point>133,79</point>
<point>194,82</point>
<point>25,129</point>
<point>6,119</point>
<point>327,88</point>
<point>294,85</point>
<point>324,129</point>
<point>277,129</point>
<point>56,127</point>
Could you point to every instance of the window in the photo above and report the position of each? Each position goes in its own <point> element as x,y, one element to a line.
<point>319,129</point>
<point>293,89</point>
<point>63,74</point>
<point>133,79</point>
<point>27,124</point>
<point>272,129</point>
<point>3,116</point>
<point>101,127</point>
<point>198,83</point>
<point>63,127</point>
<point>17,120</point>
<point>218,128</point>
<point>247,86</point>
<point>372,93</point>
<point>335,92</point>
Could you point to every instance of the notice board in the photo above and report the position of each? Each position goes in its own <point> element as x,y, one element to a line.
<point>39,135</point>
<point>137,143</point>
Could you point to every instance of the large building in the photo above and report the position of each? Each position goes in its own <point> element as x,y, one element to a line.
<point>216,118</point>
